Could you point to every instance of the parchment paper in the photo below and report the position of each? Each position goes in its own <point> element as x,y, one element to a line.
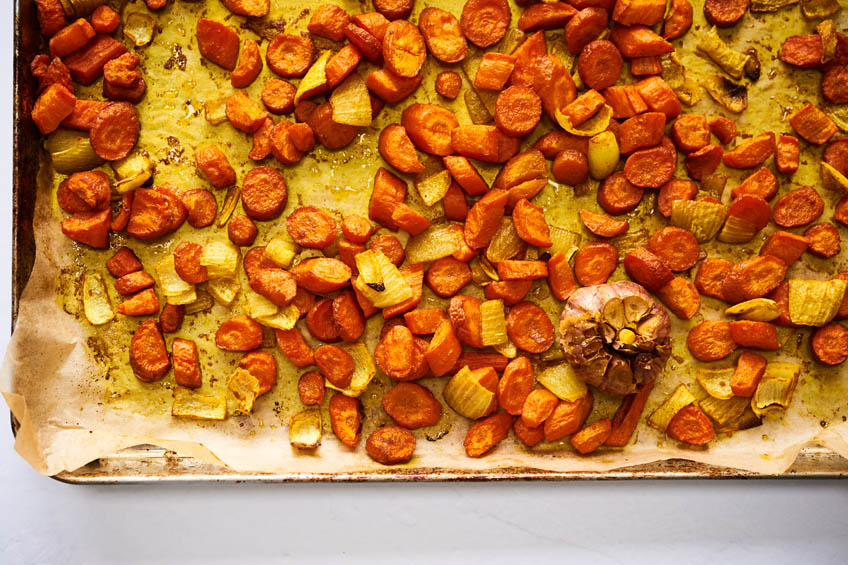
<point>76,399</point>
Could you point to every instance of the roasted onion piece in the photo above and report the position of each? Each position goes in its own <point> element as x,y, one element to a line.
<point>615,336</point>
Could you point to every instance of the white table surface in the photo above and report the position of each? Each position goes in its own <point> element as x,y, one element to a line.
<point>44,521</point>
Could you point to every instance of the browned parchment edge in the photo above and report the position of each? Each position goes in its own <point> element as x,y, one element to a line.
<point>150,464</point>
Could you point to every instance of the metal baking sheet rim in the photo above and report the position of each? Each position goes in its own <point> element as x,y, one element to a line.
<point>145,464</point>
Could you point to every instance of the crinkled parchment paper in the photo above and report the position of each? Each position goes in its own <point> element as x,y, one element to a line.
<point>76,399</point>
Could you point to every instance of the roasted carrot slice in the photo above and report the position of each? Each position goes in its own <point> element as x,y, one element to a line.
<point>691,425</point>
<point>812,124</point>
<point>518,110</point>
<point>756,335</point>
<point>444,349</point>
<point>397,149</point>
<point>448,84</point>
<point>592,437</point>
<point>218,43</point>
<point>412,406</point>
<point>642,132</point>
<point>681,297</point>
<point>671,191</point>
<point>310,388</point>
<point>602,225</point>
<point>626,418</point>
<point>830,344</point>
<point>750,368</point>
<point>711,340</point>
<point>585,26</point>
<point>600,64</point>
<point>647,269</point>
<point>484,22</point>
<point>595,262</point>
<point>799,207</point>
<point>560,276</point>
<point>389,191</point>
<point>752,152</point>
<point>484,218</point>
<point>617,195</point>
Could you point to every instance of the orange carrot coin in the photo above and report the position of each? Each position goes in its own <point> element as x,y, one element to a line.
<point>485,434</point>
<point>711,341</point>
<point>681,297</point>
<point>570,167</point>
<point>677,247</point>
<point>595,262</point>
<point>328,20</point>
<point>599,64</point>
<point>830,344</point>
<point>290,55</point>
<point>311,227</point>
<point>447,276</point>
<point>602,225</point>
<point>567,417</point>
<point>187,263</point>
<point>310,388</point>
<point>529,328</point>
<point>443,35</point>
<point>650,168</point>
<point>617,195</point>
<point>584,27</point>
<point>404,51</point>
<point>448,84</point>
<point>263,367</point>
<point>293,345</point>
<point>464,312</point>
<point>823,240</point>
<point>148,356</point>
<point>412,406</point>
<point>484,218</point>
<point>320,321</point>
<point>484,22</point>
<point>218,43</point>
<point>647,269</point>
<point>518,110</point>
<point>249,65</point>
<point>239,333</point>
<point>799,207</point>
<point>429,127</point>
<point>530,224</point>
<point>691,425</point>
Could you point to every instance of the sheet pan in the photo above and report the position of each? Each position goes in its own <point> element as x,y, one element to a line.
<point>150,463</point>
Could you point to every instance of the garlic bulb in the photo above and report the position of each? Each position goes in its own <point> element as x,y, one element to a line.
<point>615,336</point>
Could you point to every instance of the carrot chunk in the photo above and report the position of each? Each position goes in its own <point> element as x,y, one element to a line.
<point>711,340</point>
<point>626,418</point>
<point>54,105</point>
<point>812,124</point>
<point>752,152</point>
<point>592,437</point>
<point>681,297</point>
<point>691,425</point>
<point>595,262</point>
<point>830,344</point>
<point>786,246</point>
<point>750,368</point>
<point>788,154</point>
<point>71,38</point>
